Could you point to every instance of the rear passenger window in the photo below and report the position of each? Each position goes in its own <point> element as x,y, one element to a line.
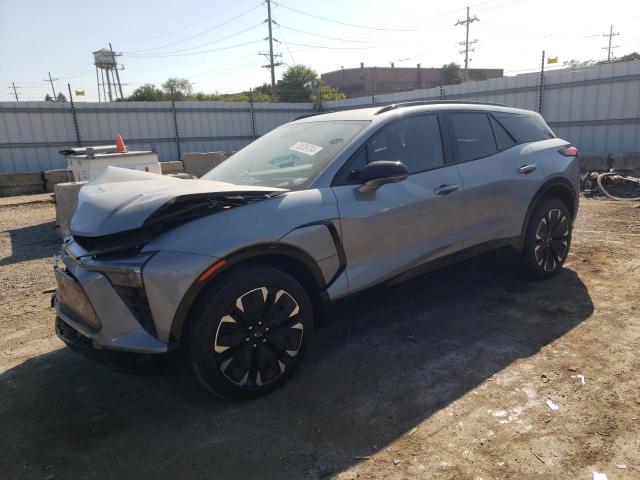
<point>472,135</point>
<point>502,136</point>
<point>524,128</point>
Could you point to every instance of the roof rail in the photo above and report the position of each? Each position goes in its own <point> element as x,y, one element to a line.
<point>434,102</point>
<point>307,115</point>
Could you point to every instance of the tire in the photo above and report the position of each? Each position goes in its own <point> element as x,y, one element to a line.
<point>249,332</point>
<point>545,250</point>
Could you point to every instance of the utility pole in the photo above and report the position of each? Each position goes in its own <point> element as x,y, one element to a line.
<point>466,42</point>
<point>51,80</point>
<point>610,47</point>
<point>541,86</point>
<point>272,64</point>
<point>15,90</point>
<point>117,74</point>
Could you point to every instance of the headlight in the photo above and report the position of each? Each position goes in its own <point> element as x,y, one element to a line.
<point>124,272</point>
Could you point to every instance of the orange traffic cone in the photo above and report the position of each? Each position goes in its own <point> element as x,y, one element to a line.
<point>120,146</point>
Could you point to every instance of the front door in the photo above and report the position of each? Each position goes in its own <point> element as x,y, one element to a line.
<point>400,225</point>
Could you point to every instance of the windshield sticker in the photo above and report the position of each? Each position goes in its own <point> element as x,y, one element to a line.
<point>306,148</point>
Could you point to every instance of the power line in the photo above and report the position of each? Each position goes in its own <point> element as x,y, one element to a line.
<point>193,53</point>
<point>213,42</point>
<point>320,35</point>
<point>165,34</point>
<point>466,42</point>
<point>191,37</point>
<point>610,47</point>
<point>326,19</point>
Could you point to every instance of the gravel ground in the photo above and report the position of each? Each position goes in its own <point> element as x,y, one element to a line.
<point>448,376</point>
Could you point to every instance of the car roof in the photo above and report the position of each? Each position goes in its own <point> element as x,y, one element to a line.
<point>399,109</point>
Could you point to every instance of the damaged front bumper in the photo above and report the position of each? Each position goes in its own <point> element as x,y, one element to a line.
<point>104,304</point>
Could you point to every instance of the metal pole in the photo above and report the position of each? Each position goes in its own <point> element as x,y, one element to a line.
<point>175,120</point>
<point>75,115</point>
<point>253,118</point>
<point>274,93</point>
<point>52,87</point>
<point>98,83</point>
<point>117,74</point>
<point>104,92</point>
<point>373,97</point>
<point>109,85</point>
<point>15,91</point>
<point>441,85</point>
<point>541,93</point>
<point>466,50</point>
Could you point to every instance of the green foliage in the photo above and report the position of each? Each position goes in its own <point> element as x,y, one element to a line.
<point>630,57</point>
<point>147,93</point>
<point>48,98</point>
<point>181,86</point>
<point>452,74</point>
<point>292,86</point>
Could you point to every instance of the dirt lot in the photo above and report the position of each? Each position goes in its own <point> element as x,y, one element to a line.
<point>447,376</point>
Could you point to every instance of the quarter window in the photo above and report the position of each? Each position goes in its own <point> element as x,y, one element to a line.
<point>502,136</point>
<point>524,128</point>
<point>472,135</point>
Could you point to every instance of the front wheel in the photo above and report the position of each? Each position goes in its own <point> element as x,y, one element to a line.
<point>250,332</point>
<point>547,239</point>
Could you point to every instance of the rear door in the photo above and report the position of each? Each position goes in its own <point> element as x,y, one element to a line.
<point>499,177</point>
<point>400,225</point>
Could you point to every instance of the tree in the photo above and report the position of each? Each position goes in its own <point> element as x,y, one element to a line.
<point>181,86</point>
<point>61,98</point>
<point>48,98</point>
<point>147,93</point>
<point>451,74</point>
<point>630,57</point>
<point>291,87</point>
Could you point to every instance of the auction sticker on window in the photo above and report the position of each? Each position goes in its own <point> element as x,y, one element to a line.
<point>306,148</point>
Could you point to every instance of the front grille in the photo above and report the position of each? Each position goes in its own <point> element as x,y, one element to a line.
<point>136,300</point>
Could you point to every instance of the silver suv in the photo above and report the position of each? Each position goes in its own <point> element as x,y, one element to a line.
<point>233,268</point>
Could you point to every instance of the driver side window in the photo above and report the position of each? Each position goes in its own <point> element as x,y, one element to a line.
<point>414,141</point>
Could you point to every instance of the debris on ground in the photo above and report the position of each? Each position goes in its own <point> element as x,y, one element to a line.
<point>552,405</point>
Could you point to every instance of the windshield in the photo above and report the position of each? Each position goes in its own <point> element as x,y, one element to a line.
<point>290,156</point>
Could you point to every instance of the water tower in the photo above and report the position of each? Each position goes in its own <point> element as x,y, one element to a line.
<point>106,65</point>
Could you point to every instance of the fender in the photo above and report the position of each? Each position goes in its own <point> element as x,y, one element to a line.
<point>557,181</point>
<point>257,251</point>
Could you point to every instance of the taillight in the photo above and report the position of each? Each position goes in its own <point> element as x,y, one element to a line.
<point>570,152</point>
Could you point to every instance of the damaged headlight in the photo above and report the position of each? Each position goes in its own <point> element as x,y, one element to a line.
<point>124,272</point>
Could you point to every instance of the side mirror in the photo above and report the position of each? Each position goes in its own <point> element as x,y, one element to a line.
<point>378,173</point>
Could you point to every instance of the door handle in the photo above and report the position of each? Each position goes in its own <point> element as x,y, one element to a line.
<point>525,169</point>
<point>445,189</point>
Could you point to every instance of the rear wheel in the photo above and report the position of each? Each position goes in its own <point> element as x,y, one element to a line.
<point>547,239</point>
<point>249,332</point>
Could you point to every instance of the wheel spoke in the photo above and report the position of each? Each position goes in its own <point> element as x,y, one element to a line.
<point>258,337</point>
<point>253,304</point>
<point>561,228</point>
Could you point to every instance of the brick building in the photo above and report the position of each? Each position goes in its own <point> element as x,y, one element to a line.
<point>359,82</point>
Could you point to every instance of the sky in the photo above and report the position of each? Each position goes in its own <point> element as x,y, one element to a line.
<point>216,43</point>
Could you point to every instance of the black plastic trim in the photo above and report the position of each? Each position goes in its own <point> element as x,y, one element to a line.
<point>553,182</point>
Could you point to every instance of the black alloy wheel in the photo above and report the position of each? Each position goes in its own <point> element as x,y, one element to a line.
<point>547,239</point>
<point>259,336</point>
<point>249,332</point>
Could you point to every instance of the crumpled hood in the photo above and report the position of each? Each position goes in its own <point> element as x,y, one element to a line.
<point>120,199</point>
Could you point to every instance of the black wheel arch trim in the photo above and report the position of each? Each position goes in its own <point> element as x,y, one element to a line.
<point>548,185</point>
<point>257,251</point>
